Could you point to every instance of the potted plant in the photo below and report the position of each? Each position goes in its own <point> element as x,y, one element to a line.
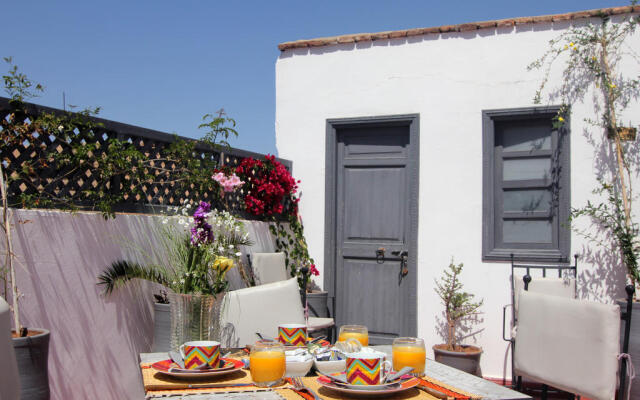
<point>196,257</point>
<point>458,306</point>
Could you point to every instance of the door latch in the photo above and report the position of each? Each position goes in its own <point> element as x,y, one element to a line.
<point>404,258</point>
<point>380,255</point>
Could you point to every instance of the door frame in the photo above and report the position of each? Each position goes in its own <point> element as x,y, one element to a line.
<point>331,146</point>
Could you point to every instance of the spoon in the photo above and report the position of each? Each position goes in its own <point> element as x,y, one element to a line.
<point>176,358</point>
<point>403,371</point>
<point>264,337</point>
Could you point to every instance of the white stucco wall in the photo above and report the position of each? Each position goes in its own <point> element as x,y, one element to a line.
<point>448,79</point>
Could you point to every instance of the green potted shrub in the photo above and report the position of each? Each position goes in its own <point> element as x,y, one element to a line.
<point>458,306</point>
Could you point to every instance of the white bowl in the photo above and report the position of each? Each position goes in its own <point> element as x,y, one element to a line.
<point>297,369</point>
<point>330,367</point>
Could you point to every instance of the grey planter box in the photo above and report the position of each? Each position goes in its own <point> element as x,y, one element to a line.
<point>317,302</point>
<point>467,362</point>
<point>161,327</point>
<point>32,356</point>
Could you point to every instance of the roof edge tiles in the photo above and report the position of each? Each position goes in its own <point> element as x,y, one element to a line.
<point>367,37</point>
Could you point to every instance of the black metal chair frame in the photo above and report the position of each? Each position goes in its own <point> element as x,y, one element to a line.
<point>625,315</point>
<point>516,381</point>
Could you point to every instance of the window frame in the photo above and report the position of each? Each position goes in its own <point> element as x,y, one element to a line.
<point>561,233</point>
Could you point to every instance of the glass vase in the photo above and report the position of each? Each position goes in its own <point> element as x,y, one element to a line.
<point>194,317</point>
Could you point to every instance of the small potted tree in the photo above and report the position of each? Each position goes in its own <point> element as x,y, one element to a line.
<point>458,307</point>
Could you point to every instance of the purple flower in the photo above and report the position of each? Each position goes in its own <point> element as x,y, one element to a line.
<point>201,231</point>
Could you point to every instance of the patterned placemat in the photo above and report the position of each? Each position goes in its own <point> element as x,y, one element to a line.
<point>447,390</point>
<point>328,394</point>
<point>160,385</point>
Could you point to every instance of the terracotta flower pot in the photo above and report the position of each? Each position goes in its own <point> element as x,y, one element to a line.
<point>467,360</point>
<point>32,356</point>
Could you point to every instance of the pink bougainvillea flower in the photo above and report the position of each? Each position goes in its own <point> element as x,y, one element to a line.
<point>229,184</point>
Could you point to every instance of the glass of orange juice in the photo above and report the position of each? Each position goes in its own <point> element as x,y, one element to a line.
<point>358,332</point>
<point>409,352</point>
<point>267,363</point>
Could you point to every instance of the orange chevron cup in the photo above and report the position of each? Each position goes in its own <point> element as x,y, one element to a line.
<point>200,353</point>
<point>292,335</point>
<point>366,368</point>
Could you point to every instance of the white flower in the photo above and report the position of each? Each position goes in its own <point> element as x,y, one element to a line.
<point>238,254</point>
<point>182,280</point>
<point>181,221</point>
<point>60,128</point>
<point>221,248</point>
<point>164,221</point>
<point>188,205</point>
<point>231,246</point>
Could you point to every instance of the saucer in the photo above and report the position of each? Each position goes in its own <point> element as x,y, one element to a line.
<point>399,385</point>
<point>170,368</point>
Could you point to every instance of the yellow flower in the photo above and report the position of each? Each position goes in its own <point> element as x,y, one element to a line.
<point>612,85</point>
<point>571,44</point>
<point>223,264</point>
<point>560,119</point>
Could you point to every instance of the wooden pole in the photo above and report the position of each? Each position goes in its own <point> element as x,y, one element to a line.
<point>7,230</point>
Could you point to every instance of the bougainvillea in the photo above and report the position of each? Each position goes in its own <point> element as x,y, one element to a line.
<point>271,192</point>
<point>271,184</point>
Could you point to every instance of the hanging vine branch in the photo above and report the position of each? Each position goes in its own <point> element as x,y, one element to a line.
<point>591,55</point>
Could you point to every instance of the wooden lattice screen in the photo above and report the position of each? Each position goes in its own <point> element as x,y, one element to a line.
<point>150,199</point>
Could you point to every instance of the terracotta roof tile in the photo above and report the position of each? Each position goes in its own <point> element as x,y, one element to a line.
<point>363,37</point>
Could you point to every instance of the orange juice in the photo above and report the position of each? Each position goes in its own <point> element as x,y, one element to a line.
<point>267,366</point>
<point>361,337</point>
<point>409,356</point>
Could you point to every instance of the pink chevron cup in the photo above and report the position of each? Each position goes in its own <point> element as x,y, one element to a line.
<point>367,368</point>
<point>200,353</point>
<point>292,335</point>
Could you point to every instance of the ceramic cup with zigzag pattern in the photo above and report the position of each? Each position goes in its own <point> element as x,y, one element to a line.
<point>292,334</point>
<point>199,353</point>
<point>367,368</point>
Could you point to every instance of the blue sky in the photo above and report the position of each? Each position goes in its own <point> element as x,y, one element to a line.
<point>162,65</point>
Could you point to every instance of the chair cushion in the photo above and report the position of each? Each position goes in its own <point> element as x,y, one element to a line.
<point>9,379</point>
<point>568,344</point>
<point>260,309</point>
<point>562,287</point>
<point>317,323</point>
<point>268,267</point>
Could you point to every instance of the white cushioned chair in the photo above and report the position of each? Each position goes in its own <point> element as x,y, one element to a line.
<point>261,309</point>
<point>562,285</point>
<point>569,344</point>
<point>268,267</point>
<point>9,378</point>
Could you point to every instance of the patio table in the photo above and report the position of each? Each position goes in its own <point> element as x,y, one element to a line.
<point>440,372</point>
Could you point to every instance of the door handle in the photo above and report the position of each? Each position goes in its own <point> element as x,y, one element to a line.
<point>404,257</point>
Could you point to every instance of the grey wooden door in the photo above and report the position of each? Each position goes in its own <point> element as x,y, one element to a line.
<point>372,217</point>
